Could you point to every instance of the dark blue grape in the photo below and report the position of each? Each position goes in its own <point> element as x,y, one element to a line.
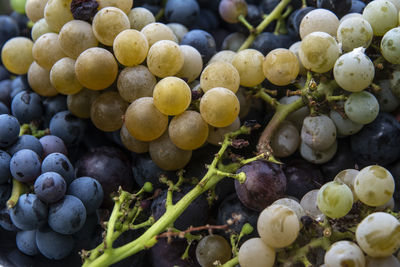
<point>4,109</point>
<point>68,127</point>
<point>265,183</point>
<point>84,10</point>
<point>54,245</point>
<point>152,8</point>
<point>26,242</point>
<point>377,142</point>
<point>182,11</point>
<point>4,74</point>
<point>202,41</point>
<point>22,21</point>
<point>89,236</point>
<point>67,216</point>
<point>5,193</point>
<point>89,191</point>
<point>19,85</point>
<point>25,165</point>
<point>5,174</point>
<point>339,7</point>
<point>5,92</point>
<point>59,163</point>
<point>27,107</point>
<point>26,141</point>
<point>50,187</point>
<point>53,105</point>
<point>53,144</point>
<point>267,6</point>
<point>295,18</point>
<point>29,213</point>
<point>8,29</point>
<point>206,21</point>
<point>268,41</point>
<point>194,215</point>
<point>9,130</point>
<point>5,220</point>
<point>357,6</point>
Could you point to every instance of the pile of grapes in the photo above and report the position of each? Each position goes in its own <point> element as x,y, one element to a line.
<point>164,133</point>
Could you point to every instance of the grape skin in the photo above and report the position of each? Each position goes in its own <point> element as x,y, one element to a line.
<point>335,199</point>
<point>281,66</point>
<point>382,15</point>
<point>16,55</point>
<point>130,47</point>
<point>164,58</point>
<point>140,17</point>
<point>344,253</point>
<point>249,64</point>
<point>220,74</point>
<point>362,107</point>
<point>255,253</point>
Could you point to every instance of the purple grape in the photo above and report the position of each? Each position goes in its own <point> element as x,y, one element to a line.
<point>5,220</point>
<point>29,213</point>
<point>59,163</point>
<point>52,144</point>
<point>50,187</point>
<point>89,191</point>
<point>9,130</point>
<point>69,128</point>
<point>5,174</point>
<point>26,242</point>
<point>265,183</point>
<point>54,245</point>
<point>26,141</point>
<point>27,107</point>
<point>182,11</point>
<point>5,193</point>
<point>25,165</point>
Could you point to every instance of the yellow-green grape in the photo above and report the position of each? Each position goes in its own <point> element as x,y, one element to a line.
<point>295,47</point>
<point>255,253</point>
<point>344,253</point>
<point>378,234</point>
<point>281,66</point>
<point>107,111</point>
<point>335,199</point>
<point>319,20</point>
<point>157,31</point>
<point>220,74</point>
<point>167,155</point>
<point>144,121</point>
<point>34,9</point>
<point>39,28</point>
<point>319,52</point>
<point>96,68</point>
<point>124,5</point>
<point>212,248</point>
<point>216,135</point>
<point>80,103</point>
<point>140,17</point>
<point>278,226</point>
<point>18,6</point>
<point>16,55</point>
<point>172,96</point>
<point>309,204</point>
<point>219,107</point>
<point>57,13</point>
<point>108,23</point>
<point>249,64</point>
<point>165,58</point>
<point>245,101</point>
<point>63,78</point>
<point>374,185</point>
<point>75,37</point>
<point>382,15</point>
<point>390,261</point>
<point>347,177</point>
<point>390,46</point>
<point>353,33</point>
<point>188,130</point>
<point>130,47</point>
<point>47,50</point>
<point>179,30</point>
<point>224,56</point>
<point>192,63</point>
<point>292,204</point>
<point>131,143</point>
<point>135,82</point>
<point>39,80</point>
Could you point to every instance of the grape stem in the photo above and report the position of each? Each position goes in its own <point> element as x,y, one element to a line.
<point>247,24</point>
<point>231,263</point>
<point>274,15</point>
<point>18,189</point>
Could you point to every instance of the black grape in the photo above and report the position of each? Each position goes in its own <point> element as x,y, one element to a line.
<point>50,187</point>
<point>5,193</point>
<point>295,18</point>
<point>89,191</point>
<point>202,41</point>
<point>25,165</point>
<point>5,91</point>
<point>182,11</point>
<point>5,174</point>
<point>27,107</point>
<point>339,7</point>
<point>268,41</point>
<point>59,163</point>
<point>53,105</point>
<point>29,213</point>
<point>8,29</point>
<point>5,220</point>
<point>26,141</point>
<point>54,245</point>
<point>9,130</point>
<point>4,109</point>
<point>356,6</point>
<point>68,127</point>
<point>19,84</point>
<point>52,144</point>
<point>4,74</point>
<point>26,242</point>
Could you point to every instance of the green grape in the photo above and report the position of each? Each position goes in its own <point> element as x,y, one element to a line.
<point>96,68</point>
<point>213,248</point>
<point>286,140</point>
<point>344,253</point>
<point>57,13</point>
<point>39,81</point>
<point>249,64</point>
<point>378,234</point>
<point>319,52</point>
<point>382,15</point>
<point>347,177</point>
<point>317,156</point>
<point>188,130</point>
<point>219,107</point>
<point>144,121</point>
<point>75,37</point>
<point>80,103</point>
<point>131,143</point>
<point>224,56</point>
<point>16,55</point>
<point>63,78</point>
<point>354,71</point>
<point>135,82</point>
<point>319,20</point>
<point>179,30</point>
<point>130,47</point>
<point>390,46</point>
<point>353,33</point>
<point>192,64</point>
<point>157,31</point>
<point>108,23</point>
<point>350,15</point>
<point>295,47</point>
<point>335,199</point>
<point>167,155</point>
<point>165,58</point>
<point>140,17</point>
<point>344,125</point>
<point>47,50</point>
<point>18,6</point>
<point>281,66</point>
<point>374,185</point>
<point>361,107</point>
<point>292,204</point>
<point>107,111</point>
<point>34,9</point>
<point>172,96</point>
<point>389,261</point>
<point>255,253</point>
<point>278,226</point>
<point>216,135</point>
<point>318,132</point>
<point>124,5</point>
<point>220,74</point>
<point>39,28</point>
<point>309,204</point>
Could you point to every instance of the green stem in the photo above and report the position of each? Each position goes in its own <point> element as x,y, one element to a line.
<point>18,189</point>
<point>247,24</point>
<point>336,98</point>
<point>267,98</point>
<point>231,263</point>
